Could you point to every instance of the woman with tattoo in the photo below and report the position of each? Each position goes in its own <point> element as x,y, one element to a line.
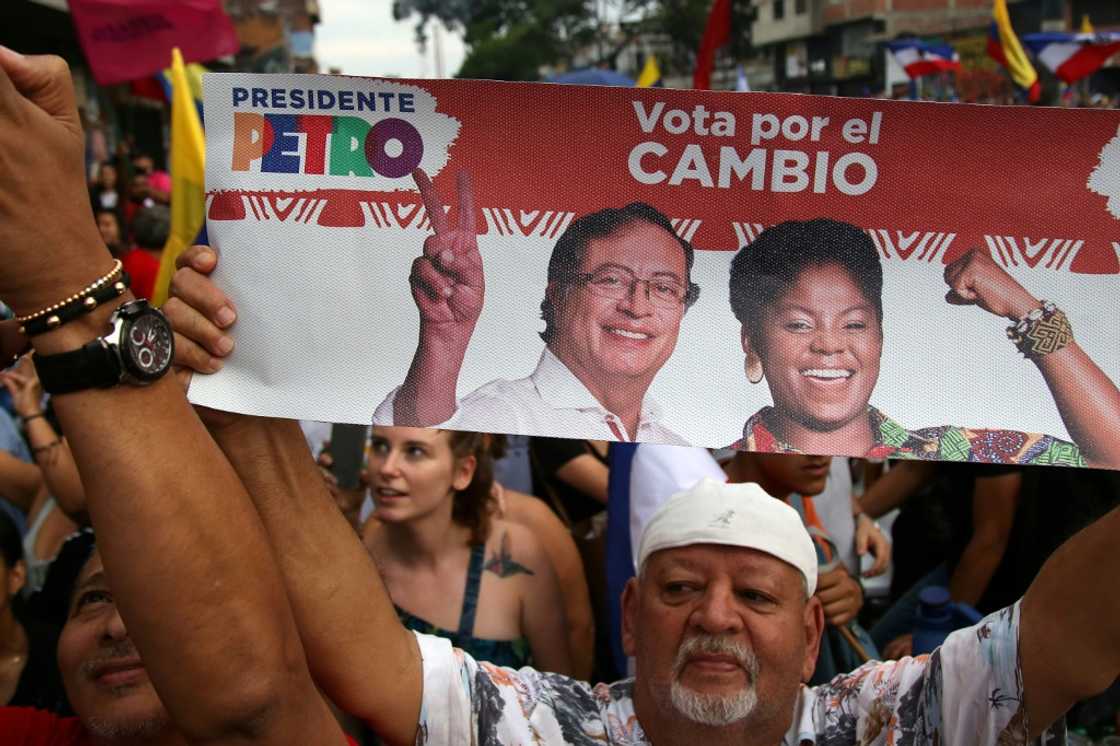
<point>451,568</point>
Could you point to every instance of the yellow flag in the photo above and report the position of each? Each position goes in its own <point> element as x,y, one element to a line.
<point>188,175</point>
<point>1018,64</point>
<point>651,73</point>
<point>1086,25</point>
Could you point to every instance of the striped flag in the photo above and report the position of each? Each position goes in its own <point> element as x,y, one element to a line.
<point>921,58</point>
<point>1004,48</point>
<point>188,170</point>
<point>1073,56</point>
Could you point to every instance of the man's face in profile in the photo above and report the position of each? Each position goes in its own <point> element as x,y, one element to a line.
<point>623,314</point>
<point>105,679</point>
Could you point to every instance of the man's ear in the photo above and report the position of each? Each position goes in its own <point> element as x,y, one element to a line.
<point>753,363</point>
<point>630,617</point>
<point>813,624</point>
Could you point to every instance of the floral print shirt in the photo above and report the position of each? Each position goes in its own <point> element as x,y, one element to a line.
<point>968,692</point>
<point>941,443</point>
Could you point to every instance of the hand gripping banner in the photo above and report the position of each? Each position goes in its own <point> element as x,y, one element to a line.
<point>774,271</point>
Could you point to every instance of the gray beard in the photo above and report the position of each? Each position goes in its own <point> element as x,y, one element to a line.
<point>713,709</point>
<point>119,730</point>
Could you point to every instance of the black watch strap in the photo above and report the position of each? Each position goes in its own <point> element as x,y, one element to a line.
<point>94,365</point>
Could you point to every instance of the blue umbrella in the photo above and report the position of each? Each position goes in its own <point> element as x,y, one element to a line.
<point>592,76</point>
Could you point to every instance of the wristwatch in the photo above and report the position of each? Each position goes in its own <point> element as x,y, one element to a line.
<point>138,351</point>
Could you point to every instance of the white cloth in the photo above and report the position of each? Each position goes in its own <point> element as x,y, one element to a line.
<point>834,508</point>
<point>969,692</point>
<point>549,402</point>
<point>657,472</point>
<point>740,515</point>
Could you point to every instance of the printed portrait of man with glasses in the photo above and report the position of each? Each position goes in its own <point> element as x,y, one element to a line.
<point>619,284</point>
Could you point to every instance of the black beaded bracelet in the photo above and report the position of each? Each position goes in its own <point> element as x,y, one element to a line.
<point>76,308</point>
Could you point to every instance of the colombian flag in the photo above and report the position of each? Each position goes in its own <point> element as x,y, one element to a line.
<point>188,169</point>
<point>1004,48</point>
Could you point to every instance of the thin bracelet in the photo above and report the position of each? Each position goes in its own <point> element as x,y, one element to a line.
<point>30,417</point>
<point>104,279</point>
<point>46,446</point>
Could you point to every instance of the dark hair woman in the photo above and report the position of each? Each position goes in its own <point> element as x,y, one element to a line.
<point>809,298</point>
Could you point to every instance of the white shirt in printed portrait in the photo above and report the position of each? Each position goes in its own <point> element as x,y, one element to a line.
<point>550,401</point>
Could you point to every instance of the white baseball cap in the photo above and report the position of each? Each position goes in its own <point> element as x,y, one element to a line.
<point>739,515</point>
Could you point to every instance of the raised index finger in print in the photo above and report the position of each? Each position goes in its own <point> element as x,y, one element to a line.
<point>466,203</point>
<point>432,203</point>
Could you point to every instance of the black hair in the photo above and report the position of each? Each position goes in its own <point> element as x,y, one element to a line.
<point>152,226</point>
<point>11,546</point>
<point>567,255</point>
<point>767,268</point>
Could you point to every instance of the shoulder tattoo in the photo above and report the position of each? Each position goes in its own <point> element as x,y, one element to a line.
<point>502,563</point>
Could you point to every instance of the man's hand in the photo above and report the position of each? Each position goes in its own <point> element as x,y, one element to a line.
<point>44,259</point>
<point>447,280</point>
<point>448,287</point>
<point>870,538</point>
<point>975,279</point>
<point>840,595</point>
<point>201,315</point>
<point>899,647</point>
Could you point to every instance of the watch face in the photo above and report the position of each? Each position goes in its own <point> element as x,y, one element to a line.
<point>147,346</point>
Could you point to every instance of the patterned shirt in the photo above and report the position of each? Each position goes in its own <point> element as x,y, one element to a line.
<point>943,443</point>
<point>968,692</point>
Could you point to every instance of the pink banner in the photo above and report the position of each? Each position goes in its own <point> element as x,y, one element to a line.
<point>129,39</point>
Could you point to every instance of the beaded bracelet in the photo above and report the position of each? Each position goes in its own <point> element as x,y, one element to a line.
<point>1044,330</point>
<point>104,289</point>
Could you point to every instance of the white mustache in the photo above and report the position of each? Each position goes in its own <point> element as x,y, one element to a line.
<point>717,645</point>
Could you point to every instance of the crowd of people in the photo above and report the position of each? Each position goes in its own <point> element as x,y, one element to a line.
<point>241,589</point>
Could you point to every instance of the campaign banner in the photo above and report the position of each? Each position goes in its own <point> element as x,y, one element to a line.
<point>131,39</point>
<point>773,272</point>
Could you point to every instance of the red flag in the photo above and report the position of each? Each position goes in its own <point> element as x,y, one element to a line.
<point>131,39</point>
<point>716,34</point>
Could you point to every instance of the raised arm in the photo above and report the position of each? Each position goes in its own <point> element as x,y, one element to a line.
<point>51,451</point>
<point>359,654</point>
<point>448,287</point>
<point>1069,640</point>
<point>190,564</point>
<point>1087,399</point>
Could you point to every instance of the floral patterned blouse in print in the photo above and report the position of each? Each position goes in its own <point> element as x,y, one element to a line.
<point>941,443</point>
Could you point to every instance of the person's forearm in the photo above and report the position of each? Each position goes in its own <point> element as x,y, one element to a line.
<point>52,454</point>
<point>427,396</point>
<point>19,481</point>
<point>974,572</point>
<point>346,621</point>
<point>892,489</point>
<point>1069,637</point>
<point>190,565</point>
<point>1088,402</point>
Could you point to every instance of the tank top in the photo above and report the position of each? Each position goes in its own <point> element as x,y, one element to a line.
<point>511,653</point>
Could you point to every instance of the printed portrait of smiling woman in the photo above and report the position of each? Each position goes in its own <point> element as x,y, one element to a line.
<point>809,297</point>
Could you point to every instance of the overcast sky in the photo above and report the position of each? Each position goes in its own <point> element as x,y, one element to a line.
<point>361,37</point>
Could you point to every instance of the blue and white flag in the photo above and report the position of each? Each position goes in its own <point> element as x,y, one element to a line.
<point>1073,56</point>
<point>920,58</point>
